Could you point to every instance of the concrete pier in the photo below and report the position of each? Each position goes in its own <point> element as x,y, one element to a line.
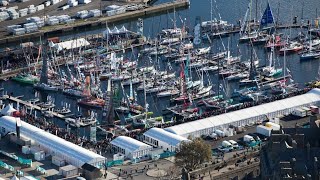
<point>59,29</point>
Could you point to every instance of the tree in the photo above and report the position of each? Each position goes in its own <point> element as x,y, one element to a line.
<point>192,154</point>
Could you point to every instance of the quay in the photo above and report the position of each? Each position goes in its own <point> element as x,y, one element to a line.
<point>66,118</point>
<point>59,29</point>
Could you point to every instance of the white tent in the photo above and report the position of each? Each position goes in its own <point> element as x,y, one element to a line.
<point>246,116</point>
<point>72,44</point>
<point>130,147</point>
<point>8,110</point>
<point>14,178</point>
<point>115,30</point>
<point>51,144</point>
<point>123,30</point>
<point>160,138</point>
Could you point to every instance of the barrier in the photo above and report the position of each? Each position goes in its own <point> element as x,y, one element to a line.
<point>114,163</point>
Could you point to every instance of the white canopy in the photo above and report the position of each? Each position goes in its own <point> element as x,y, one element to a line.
<point>165,136</point>
<point>54,145</point>
<point>8,110</point>
<point>129,144</point>
<point>76,43</point>
<point>246,116</point>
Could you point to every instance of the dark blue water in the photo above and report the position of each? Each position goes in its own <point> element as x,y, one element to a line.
<point>231,11</point>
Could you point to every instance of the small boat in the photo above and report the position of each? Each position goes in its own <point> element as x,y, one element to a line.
<point>26,79</point>
<point>73,92</point>
<point>237,76</point>
<point>310,55</point>
<point>202,51</point>
<point>92,102</point>
<point>204,90</point>
<point>209,68</point>
<point>248,36</point>
<point>271,71</point>
<point>292,48</point>
<point>63,111</point>
<point>45,87</point>
<point>171,92</point>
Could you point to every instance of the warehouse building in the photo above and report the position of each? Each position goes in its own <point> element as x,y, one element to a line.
<point>131,148</point>
<point>51,144</point>
<point>165,140</point>
<point>246,116</point>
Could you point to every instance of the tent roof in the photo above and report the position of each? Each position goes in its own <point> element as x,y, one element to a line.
<point>311,97</point>
<point>129,144</point>
<point>165,136</point>
<point>76,43</point>
<point>57,144</point>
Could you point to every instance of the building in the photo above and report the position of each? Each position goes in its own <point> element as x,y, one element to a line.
<point>51,144</point>
<point>90,172</point>
<point>246,116</point>
<point>68,171</point>
<point>165,140</point>
<point>292,153</point>
<point>131,148</point>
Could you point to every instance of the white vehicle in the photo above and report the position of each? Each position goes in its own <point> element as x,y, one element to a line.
<point>264,130</point>
<point>225,146</point>
<point>299,112</point>
<point>214,136</point>
<point>234,144</point>
<point>248,139</point>
<point>220,133</point>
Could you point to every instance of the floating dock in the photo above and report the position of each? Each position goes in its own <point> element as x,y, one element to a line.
<point>59,29</point>
<point>38,108</point>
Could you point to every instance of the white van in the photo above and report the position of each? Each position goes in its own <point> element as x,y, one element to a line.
<point>234,144</point>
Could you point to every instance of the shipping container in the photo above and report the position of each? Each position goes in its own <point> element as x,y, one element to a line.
<point>58,161</point>
<point>39,156</point>
<point>264,130</point>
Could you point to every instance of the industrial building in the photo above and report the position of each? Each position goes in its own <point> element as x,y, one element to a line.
<point>246,116</point>
<point>165,140</point>
<point>131,148</point>
<point>51,144</point>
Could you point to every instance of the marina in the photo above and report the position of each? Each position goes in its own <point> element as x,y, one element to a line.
<point>133,94</point>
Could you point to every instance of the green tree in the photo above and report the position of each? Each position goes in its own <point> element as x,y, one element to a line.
<point>192,154</point>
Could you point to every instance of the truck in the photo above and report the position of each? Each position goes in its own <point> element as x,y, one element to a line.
<point>220,133</point>
<point>234,144</point>
<point>264,130</point>
<point>299,112</point>
<point>213,136</point>
<point>225,146</point>
<point>250,141</point>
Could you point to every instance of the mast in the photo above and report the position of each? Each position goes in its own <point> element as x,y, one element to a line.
<point>145,96</point>
<point>44,71</point>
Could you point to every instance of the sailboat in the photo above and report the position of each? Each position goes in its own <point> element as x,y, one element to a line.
<point>270,70</point>
<point>246,34</point>
<point>89,100</point>
<point>310,54</point>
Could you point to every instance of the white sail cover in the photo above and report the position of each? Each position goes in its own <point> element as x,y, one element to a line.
<point>8,110</point>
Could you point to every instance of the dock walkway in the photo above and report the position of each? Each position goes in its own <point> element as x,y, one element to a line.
<point>164,7</point>
<point>33,106</point>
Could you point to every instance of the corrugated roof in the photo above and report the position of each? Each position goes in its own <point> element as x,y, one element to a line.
<point>165,136</point>
<point>311,97</point>
<point>129,143</point>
